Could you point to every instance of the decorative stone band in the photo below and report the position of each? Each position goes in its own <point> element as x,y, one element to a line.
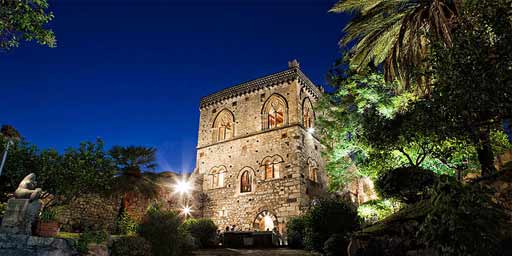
<point>251,86</point>
<point>260,132</point>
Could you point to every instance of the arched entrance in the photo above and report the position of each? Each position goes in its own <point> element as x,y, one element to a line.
<point>265,221</point>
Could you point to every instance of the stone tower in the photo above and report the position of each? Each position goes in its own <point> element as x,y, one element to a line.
<point>258,156</point>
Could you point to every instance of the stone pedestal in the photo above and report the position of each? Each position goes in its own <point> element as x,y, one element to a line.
<point>20,216</point>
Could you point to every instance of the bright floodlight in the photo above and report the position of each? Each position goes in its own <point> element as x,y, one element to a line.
<point>311,130</point>
<point>183,187</point>
<point>186,210</point>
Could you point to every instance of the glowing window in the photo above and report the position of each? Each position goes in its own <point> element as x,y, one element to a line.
<point>308,117</point>
<point>217,175</point>
<point>272,167</point>
<point>246,182</point>
<point>223,126</point>
<point>274,112</point>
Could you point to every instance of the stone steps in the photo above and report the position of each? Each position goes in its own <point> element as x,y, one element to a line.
<point>269,252</point>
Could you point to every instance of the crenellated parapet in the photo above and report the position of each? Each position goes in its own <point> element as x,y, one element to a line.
<point>292,74</point>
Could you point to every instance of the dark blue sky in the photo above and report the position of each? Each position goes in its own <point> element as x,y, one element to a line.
<point>133,72</point>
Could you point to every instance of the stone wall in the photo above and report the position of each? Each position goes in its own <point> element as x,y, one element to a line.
<point>282,197</point>
<point>90,212</point>
<point>99,212</point>
<point>21,245</point>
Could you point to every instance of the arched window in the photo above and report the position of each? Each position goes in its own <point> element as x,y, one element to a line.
<point>246,182</point>
<point>217,175</point>
<point>223,126</point>
<point>312,170</point>
<point>275,112</point>
<point>308,114</point>
<point>272,166</point>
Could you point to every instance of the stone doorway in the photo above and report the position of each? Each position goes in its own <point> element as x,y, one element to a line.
<point>265,221</point>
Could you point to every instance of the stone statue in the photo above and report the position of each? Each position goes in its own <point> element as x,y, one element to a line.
<point>22,210</point>
<point>27,189</point>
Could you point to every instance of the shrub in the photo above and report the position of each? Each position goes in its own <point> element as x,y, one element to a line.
<point>126,225</point>
<point>407,184</point>
<point>336,245</point>
<point>162,230</point>
<point>203,231</point>
<point>377,210</point>
<point>90,237</point>
<point>463,221</point>
<point>131,246</point>
<point>296,228</point>
<point>48,215</point>
<point>2,209</point>
<point>328,217</point>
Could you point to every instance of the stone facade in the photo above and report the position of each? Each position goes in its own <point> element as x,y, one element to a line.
<point>258,157</point>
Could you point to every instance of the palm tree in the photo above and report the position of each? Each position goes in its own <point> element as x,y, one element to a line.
<point>134,178</point>
<point>11,134</point>
<point>398,34</point>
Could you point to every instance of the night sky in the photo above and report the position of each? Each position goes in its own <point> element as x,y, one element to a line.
<point>133,72</point>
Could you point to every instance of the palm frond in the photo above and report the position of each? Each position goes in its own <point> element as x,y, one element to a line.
<point>397,34</point>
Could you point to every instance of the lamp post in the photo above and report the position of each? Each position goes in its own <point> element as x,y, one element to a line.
<point>9,142</point>
<point>11,134</point>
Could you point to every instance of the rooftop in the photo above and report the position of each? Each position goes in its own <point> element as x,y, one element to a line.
<point>291,74</point>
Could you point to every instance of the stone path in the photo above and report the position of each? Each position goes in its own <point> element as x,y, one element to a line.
<point>236,252</point>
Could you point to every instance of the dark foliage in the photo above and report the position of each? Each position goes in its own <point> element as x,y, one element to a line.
<point>90,237</point>
<point>203,231</point>
<point>296,231</point>
<point>407,184</point>
<point>162,230</point>
<point>10,132</point>
<point>463,221</point>
<point>328,217</point>
<point>131,246</point>
<point>336,245</point>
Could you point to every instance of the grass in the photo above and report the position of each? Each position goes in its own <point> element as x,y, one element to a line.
<point>76,236</point>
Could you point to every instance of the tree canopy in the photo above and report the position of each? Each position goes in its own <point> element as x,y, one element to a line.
<point>25,20</point>
<point>63,177</point>
<point>397,34</point>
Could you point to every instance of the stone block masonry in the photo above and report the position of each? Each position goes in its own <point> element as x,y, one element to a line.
<point>258,156</point>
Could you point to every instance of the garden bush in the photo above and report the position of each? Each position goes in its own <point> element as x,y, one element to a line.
<point>328,217</point>
<point>377,210</point>
<point>463,221</point>
<point>131,246</point>
<point>336,245</point>
<point>126,225</point>
<point>164,232</point>
<point>203,231</point>
<point>407,184</point>
<point>295,233</point>
<point>90,237</point>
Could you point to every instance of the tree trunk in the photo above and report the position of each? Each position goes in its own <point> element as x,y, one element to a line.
<point>485,153</point>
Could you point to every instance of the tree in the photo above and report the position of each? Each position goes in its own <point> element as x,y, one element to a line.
<point>25,20</point>
<point>368,128</point>
<point>11,134</point>
<point>397,34</point>
<point>62,177</point>
<point>82,170</point>
<point>132,162</point>
<point>473,78</point>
